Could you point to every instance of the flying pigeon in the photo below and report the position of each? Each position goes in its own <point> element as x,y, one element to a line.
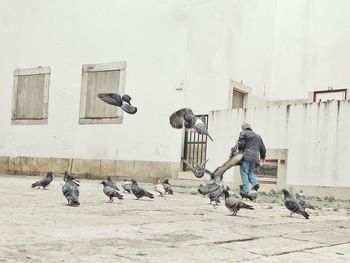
<point>198,170</point>
<point>160,188</point>
<point>138,191</point>
<point>234,204</point>
<point>110,183</point>
<point>70,190</point>
<point>126,186</point>
<point>43,182</point>
<point>167,187</point>
<point>185,117</point>
<point>120,101</point>
<point>302,201</point>
<point>110,192</point>
<point>293,205</point>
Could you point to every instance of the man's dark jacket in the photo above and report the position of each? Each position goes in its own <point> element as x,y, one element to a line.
<point>252,146</point>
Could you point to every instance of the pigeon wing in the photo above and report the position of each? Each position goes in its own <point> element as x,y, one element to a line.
<point>128,108</point>
<point>111,98</point>
<point>178,117</point>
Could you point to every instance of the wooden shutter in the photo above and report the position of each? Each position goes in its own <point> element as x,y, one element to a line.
<point>101,82</point>
<point>30,95</point>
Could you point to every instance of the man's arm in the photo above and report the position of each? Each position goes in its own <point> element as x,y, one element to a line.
<point>241,141</point>
<point>262,150</point>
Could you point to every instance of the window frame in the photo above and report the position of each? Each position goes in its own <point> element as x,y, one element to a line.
<point>86,69</point>
<point>25,72</point>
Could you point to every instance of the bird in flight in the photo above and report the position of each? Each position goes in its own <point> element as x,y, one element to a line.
<point>120,101</point>
<point>186,117</point>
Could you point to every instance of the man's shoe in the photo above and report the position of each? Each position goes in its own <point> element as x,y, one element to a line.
<point>256,187</point>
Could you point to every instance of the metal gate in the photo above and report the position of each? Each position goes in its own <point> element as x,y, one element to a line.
<point>195,146</point>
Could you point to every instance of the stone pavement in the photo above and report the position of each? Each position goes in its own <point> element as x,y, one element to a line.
<point>37,226</point>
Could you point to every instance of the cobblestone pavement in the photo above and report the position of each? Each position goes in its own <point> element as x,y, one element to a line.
<point>38,226</point>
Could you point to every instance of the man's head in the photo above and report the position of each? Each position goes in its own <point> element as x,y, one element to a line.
<point>246,125</point>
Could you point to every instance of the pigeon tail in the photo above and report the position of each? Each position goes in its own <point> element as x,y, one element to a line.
<point>304,214</point>
<point>246,206</point>
<point>35,184</point>
<point>74,202</point>
<point>149,195</point>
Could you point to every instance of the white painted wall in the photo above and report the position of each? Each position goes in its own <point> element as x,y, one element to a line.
<point>149,35</point>
<point>281,49</point>
<point>316,136</point>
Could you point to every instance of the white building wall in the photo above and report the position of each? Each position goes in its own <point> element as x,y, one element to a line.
<point>316,136</point>
<point>282,49</point>
<point>149,35</point>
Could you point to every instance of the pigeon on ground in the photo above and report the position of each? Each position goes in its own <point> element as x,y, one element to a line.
<point>126,186</point>
<point>160,188</point>
<point>251,195</point>
<point>138,191</point>
<point>70,190</point>
<point>231,193</point>
<point>293,205</point>
<point>167,187</point>
<point>301,194</point>
<point>215,196</point>
<point>302,201</point>
<point>234,204</point>
<point>110,192</point>
<point>110,183</point>
<point>120,101</point>
<point>43,182</point>
<point>210,187</point>
<point>185,117</point>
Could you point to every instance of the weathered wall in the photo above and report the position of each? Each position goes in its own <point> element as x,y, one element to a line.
<point>316,135</point>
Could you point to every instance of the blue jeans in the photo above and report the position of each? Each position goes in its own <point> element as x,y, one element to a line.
<point>247,175</point>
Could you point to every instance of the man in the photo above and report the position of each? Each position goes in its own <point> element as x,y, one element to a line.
<point>252,147</point>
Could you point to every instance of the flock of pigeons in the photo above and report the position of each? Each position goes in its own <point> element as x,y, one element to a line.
<point>214,189</point>
<point>70,189</point>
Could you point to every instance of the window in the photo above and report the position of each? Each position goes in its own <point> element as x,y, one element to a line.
<point>30,96</point>
<point>239,95</point>
<point>101,78</point>
<point>237,99</point>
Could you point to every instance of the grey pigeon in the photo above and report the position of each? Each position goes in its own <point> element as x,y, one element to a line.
<point>251,196</point>
<point>120,101</point>
<point>110,192</point>
<point>210,187</point>
<point>234,204</point>
<point>293,205</point>
<point>126,186</point>
<point>167,187</point>
<point>302,201</point>
<point>230,192</point>
<point>160,188</point>
<point>138,191</point>
<point>44,182</point>
<point>70,190</point>
<point>215,195</point>
<point>185,117</point>
<point>110,183</point>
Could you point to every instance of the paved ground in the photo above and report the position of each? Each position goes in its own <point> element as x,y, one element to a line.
<point>37,226</point>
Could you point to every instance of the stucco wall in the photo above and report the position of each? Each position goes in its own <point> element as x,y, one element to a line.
<point>316,136</point>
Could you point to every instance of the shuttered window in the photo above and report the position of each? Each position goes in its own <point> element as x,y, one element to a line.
<point>30,96</point>
<point>237,99</point>
<point>101,78</point>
